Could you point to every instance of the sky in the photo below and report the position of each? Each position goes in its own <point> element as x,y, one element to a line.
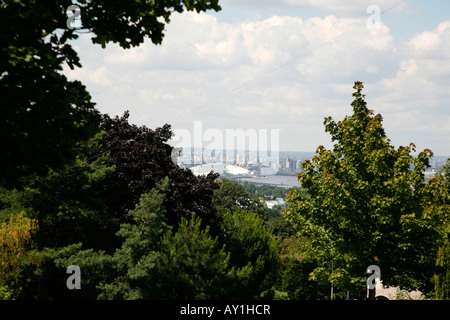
<point>285,65</point>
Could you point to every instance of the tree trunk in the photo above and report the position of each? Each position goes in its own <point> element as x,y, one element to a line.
<point>372,294</point>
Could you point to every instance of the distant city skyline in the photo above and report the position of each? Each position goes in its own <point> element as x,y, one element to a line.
<point>288,163</point>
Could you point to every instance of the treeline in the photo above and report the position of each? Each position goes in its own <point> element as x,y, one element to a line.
<point>138,226</point>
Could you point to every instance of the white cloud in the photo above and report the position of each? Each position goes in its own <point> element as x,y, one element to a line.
<point>281,72</point>
<point>338,7</point>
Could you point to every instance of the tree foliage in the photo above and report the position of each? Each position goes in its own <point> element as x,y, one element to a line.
<point>232,196</point>
<point>439,198</point>
<point>16,251</point>
<point>133,247</point>
<point>135,262</point>
<point>129,23</point>
<point>440,203</point>
<point>69,205</point>
<point>253,255</point>
<point>157,262</point>
<point>266,191</point>
<point>365,204</point>
<point>295,280</point>
<point>44,115</point>
<point>92,181</point>
<point>442,277</point>
<point>88,201</point>
<point>193,264</point>
<point>142,158</point>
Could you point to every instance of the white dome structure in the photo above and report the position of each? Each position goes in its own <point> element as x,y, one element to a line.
<point>219,168</point>
<point>236,170</point>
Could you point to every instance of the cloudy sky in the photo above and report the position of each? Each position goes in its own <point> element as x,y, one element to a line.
<point>285,64</point>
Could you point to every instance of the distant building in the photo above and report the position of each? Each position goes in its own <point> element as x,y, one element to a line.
<point>278,202</point>
<point>429,174</point>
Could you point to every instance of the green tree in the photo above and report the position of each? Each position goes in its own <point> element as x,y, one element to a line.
<point>86,203</point>
<point>442,277</point>
<point>156,262</point>
<point>16,251</point>
<point>439,198</point>
<point>265,191</point>
<point>136,260</point>
<point>295,280</point>
<point>97,268</point>
<point>254,255</point>
<point>43,115</point>
<point>280,227</point>
<point>232,196</point>
<point>193,265</point>
<point>71,214</point>
<point>440,205</point>
<point>248,237</point>
<point>69,205</point>
<point>129,254</point>
<point>365,204</point>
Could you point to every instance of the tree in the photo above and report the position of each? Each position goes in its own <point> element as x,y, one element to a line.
<point>157,262</point>
<point>439,198</point>
<point>142,158</point>
<point>72,216</point>
<point>253,255</point>
<point>365,204</point>
<point>136,261</point>
<point>442,277</point>
<point>232,196</point>
<point>128,24</point>
<point>151,246</point>
<point>86,203</point>
<point>43,115</point>
<point>193,264</point>
<point>295,280</point>
<point>89,200</point>
<point>69,203</point>
<point>440,204</point>
<point>16,251</point>
<point>265,191</point>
